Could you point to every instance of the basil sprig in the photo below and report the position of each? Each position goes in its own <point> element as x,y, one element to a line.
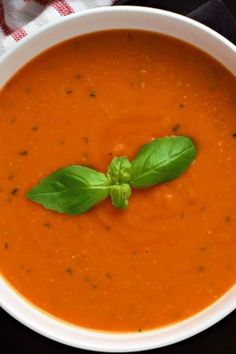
<point>74,190</point>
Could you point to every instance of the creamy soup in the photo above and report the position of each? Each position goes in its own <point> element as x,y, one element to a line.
<point>171,253</point>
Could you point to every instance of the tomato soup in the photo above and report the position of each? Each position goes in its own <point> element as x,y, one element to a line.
<point>171,253</point>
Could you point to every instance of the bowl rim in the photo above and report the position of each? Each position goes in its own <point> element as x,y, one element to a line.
<point>116,8</point>
<point>34,318</point>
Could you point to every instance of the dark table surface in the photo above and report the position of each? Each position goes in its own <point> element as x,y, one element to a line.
<point>219,339</point>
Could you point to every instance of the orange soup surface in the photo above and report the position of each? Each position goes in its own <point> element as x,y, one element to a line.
<point>171,253</point>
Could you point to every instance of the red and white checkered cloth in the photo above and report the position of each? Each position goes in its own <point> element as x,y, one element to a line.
<point>21,17</point>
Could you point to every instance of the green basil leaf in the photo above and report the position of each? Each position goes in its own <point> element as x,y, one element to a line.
<point>71,190</point>
<point>119,170</point>
<point>162,160</point>
<point>120,194</point>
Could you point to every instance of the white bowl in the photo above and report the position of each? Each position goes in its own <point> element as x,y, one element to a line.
<point>79,24</point>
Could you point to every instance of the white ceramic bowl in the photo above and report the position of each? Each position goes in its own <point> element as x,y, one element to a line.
<point>79,24</point>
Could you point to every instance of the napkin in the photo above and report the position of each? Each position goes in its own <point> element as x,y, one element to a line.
<point>18,18</point>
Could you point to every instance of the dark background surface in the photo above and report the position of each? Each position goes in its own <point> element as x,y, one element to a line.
<point>219,339</point>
